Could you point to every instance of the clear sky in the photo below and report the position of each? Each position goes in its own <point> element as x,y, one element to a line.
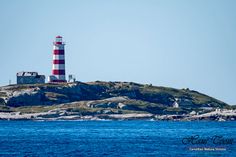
<point>180,44</point>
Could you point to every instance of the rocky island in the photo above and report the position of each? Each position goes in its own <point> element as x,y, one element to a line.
<point>109,101</point>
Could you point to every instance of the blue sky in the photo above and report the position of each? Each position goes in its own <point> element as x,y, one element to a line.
<point>170,43</point>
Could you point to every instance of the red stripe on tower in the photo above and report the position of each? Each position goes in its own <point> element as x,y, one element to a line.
<point>58,52</point>
<point>58,72</point>
<point>58,61</point>
<point>58,68</point>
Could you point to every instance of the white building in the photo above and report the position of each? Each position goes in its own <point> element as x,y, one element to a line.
<point>29,78</point>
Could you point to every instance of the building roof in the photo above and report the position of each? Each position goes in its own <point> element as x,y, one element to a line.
<point>24,73</point>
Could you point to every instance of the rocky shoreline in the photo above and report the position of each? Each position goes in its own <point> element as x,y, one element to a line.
<point>53,115</point>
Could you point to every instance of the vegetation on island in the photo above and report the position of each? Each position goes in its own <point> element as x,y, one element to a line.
<point>103,98</point>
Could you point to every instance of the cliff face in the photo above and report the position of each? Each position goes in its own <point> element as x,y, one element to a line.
<point>134,96</point>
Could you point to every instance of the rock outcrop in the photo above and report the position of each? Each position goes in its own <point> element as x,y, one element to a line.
<point>105,99</point>
<point>49,94</point>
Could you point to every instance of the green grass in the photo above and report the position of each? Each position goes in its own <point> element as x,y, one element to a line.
<point>152,97</point>
<point>33,109</point>
<point>3,94</point>
<point>4,108</point>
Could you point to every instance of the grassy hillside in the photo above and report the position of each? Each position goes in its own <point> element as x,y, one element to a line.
<point>96,97</point>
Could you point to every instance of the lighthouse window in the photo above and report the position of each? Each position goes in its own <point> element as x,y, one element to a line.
<point>58,40</point>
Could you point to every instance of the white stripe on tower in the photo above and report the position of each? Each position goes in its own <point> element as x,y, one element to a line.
<point>58,47</point>
<point>58,57</point>
<point>58,66</point>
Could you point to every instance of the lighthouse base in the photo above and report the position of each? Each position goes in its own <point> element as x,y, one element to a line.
<point>53,79</point>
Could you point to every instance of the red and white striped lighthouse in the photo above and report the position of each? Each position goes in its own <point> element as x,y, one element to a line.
<point>58,66</point>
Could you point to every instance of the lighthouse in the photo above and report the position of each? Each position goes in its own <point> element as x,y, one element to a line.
<point>58,65</point>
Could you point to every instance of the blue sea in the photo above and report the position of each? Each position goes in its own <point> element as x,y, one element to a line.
<point>117,138</point>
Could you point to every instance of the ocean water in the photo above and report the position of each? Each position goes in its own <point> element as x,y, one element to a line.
<point>117,138</point>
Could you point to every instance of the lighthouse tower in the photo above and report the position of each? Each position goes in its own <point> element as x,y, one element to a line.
<point>58,66</point>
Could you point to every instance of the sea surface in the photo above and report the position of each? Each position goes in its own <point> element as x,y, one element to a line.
<point>117,138</point>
